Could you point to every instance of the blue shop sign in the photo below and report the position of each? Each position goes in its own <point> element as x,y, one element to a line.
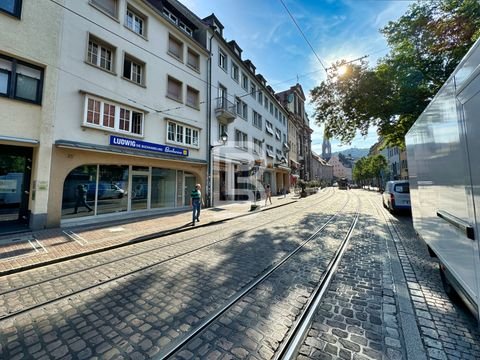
<point>144,145</point>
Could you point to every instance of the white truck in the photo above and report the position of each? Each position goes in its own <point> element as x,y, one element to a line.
<point>443,152</point>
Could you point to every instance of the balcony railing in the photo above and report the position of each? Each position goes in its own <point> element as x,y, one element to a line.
<point>225,111</point>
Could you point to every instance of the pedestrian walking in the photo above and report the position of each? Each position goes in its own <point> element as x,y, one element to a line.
<point>268,195</point>
<point>81,198</point>
<point>196,202</point>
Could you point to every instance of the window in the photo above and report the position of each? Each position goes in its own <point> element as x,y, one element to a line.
<point>107,6</point>
<point>245,111</point>
<point>241,108</point>
<point>257,146</point>
<point>257,120</point>
<point>135,22</point>
<point>276,113</point>
<point>244,81</point>
<point>222,129</point>
<point>266,103</point>
<point>170,16</point>
<point>278,134</point>
<point>222,60</point>
<point>268,127</point>
<point>185,28</point>
<point>260,98</point>
<point>12,7</point>
<point>19,80</point>
<point>241,140</point>
<point>271,108</point>
<point>175,47</point>
<point>174,89</point>
<point>100,54</point>
<point>181,134</point>
<point>133,70</point>
<point>270,151</point>
<point>193,59</point>
<point>235,72</point>
<point>253,90</point>
<point>238,106</point>
<point>109,115</point>
<point>192,97</point>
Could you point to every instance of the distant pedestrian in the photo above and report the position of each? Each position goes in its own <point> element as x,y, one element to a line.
<point>268,195</point>
<point>196,202</point>
<point>81,198</point>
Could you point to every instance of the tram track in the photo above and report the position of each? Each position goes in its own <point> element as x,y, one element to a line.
<point>289,346</point>
<point>148,249</point>
<point>66,293</point>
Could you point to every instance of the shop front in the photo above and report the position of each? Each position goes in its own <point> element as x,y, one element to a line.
<point>15,175</point>
<point>117,183</point>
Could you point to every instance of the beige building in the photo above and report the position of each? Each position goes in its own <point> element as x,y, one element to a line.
<point>29,71</point>
<point>300,133</point>
<point>340,170</point>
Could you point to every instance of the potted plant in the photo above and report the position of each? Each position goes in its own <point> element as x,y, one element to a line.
<point>303,185</point>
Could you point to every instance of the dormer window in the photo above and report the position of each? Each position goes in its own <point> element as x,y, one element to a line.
<point>170,16</point>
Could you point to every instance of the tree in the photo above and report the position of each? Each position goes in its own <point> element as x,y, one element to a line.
<point>369,169</point>
<point>426,45</point>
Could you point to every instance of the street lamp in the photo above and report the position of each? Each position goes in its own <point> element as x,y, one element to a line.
<point>224,139</point>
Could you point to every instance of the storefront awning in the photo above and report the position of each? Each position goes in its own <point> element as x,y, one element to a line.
<point>123,151</point>
<point>18,140</point>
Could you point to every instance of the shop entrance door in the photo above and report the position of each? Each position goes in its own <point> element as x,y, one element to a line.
<point>140,192</point>
<point>15,173</point>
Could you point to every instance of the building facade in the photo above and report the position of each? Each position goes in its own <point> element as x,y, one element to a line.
<point>393,159</point>
<point>115,126</point>
<point>339,169</point>
<point>120,107</point>
<point>29,69</point>
<point>245,109</point>
<point>322,171</point>
<point>300,138</point>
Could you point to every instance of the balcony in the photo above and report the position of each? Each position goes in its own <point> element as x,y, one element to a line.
<point>225,111</point>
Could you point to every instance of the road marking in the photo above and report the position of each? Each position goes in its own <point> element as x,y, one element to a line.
<point>77,238</point>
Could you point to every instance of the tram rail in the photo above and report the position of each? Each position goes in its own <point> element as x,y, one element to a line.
<point>288,348</point>
<point>64,293</point>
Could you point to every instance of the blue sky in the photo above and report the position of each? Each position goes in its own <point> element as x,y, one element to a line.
<point>336,29</point>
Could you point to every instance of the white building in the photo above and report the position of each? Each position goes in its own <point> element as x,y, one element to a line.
<point>117,106</point>
<point>244,108</point>
<point>131,119</point>
<point>394,164</point>
<point>108,98</point>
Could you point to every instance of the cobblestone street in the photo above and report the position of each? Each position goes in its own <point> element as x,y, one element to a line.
<point>386,299</point>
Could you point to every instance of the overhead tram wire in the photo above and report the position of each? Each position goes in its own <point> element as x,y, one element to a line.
<point>304,37</point>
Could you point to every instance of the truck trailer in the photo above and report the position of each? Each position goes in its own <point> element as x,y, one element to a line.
<point>443,153</point>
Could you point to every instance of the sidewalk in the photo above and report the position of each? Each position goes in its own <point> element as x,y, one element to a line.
<point>32,249</point>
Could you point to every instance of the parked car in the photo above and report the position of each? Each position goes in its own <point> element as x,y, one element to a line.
<point>397,196</point>
<point>106,190</point>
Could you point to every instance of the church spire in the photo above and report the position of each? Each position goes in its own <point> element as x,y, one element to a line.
<point>326,147</point>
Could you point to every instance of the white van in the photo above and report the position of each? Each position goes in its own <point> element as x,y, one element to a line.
<point>443,150</point>
<point>396,196</point>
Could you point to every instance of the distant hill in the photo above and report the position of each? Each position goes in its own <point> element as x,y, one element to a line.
<point>355,153</point>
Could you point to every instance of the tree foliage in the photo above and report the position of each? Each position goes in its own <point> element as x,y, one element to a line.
<point>426,44</point>
<point>369,169</point>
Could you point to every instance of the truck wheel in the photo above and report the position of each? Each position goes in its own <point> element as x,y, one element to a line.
<point>447,286</point>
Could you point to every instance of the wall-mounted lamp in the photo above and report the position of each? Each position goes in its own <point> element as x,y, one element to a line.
<point>223,138</point>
